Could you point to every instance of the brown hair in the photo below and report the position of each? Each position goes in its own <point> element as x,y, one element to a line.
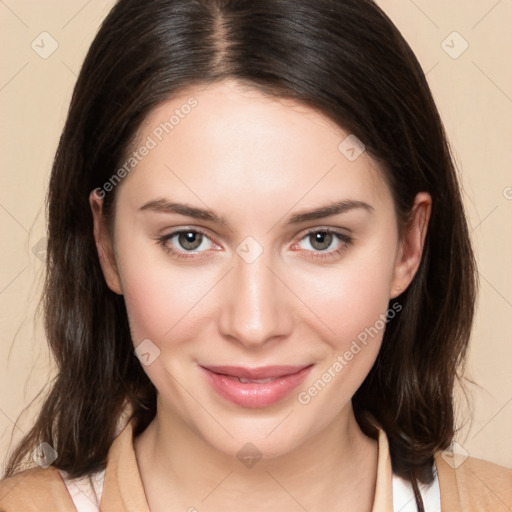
<point>344,58</point>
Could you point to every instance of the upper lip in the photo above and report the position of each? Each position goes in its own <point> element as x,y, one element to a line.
<point>263,372</point>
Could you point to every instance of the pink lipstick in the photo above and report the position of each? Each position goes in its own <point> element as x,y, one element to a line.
<point>256,387</point>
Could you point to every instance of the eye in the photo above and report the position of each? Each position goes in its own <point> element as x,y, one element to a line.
<point>189,242</point>
<point>183,241</point>
<point>325,243</point>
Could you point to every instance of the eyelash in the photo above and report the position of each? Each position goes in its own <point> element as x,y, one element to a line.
<point>342,237</point>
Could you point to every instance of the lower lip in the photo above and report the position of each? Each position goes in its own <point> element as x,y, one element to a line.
<point>255,394</point>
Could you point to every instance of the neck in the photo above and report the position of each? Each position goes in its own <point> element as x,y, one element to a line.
<point>334,470</point>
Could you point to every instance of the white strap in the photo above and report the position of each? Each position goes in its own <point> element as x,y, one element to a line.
<point>86,491</point>
<point>403,495</point>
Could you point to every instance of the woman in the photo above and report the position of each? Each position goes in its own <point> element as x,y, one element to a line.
<point>260,285</point>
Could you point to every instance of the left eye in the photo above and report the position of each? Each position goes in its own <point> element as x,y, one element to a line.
<point>322,240</point>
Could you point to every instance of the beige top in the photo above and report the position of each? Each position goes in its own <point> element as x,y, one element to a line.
<point>474,486</point>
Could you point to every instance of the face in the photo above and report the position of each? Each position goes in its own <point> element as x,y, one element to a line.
<point>244,237</point>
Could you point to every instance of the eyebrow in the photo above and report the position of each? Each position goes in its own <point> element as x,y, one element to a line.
<point>336,208</point>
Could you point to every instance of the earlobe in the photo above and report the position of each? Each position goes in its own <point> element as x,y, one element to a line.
<point>411,246</point>
<point>104,245</point>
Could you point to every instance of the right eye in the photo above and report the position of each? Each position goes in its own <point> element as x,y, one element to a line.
<point>183,241</point>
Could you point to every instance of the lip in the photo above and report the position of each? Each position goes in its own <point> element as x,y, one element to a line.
<point>224,380</point>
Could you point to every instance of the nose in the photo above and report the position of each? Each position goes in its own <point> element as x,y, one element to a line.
<point>254,306</point>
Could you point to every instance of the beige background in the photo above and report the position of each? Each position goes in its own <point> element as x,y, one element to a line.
<point>474,95</point>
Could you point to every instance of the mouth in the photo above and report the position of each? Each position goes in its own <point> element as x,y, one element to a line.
<point>255,387</point>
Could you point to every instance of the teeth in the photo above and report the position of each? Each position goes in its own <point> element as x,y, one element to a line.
<point>259,381</point>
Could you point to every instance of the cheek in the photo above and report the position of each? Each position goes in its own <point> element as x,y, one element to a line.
<point>161,301</point>
<point>351,302</point>
<point>160,297</point>
<point>350,297</point>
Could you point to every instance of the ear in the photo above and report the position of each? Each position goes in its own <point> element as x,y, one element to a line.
<point>104,244</point>
<point>411,246</point>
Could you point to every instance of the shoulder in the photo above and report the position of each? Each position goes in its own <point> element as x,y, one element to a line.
<point>474,484</point>
<point>35,489</point>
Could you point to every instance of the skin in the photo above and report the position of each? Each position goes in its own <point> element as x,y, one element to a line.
<point>255,161</point>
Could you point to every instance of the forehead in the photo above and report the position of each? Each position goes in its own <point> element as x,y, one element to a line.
<point>240,143</point>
